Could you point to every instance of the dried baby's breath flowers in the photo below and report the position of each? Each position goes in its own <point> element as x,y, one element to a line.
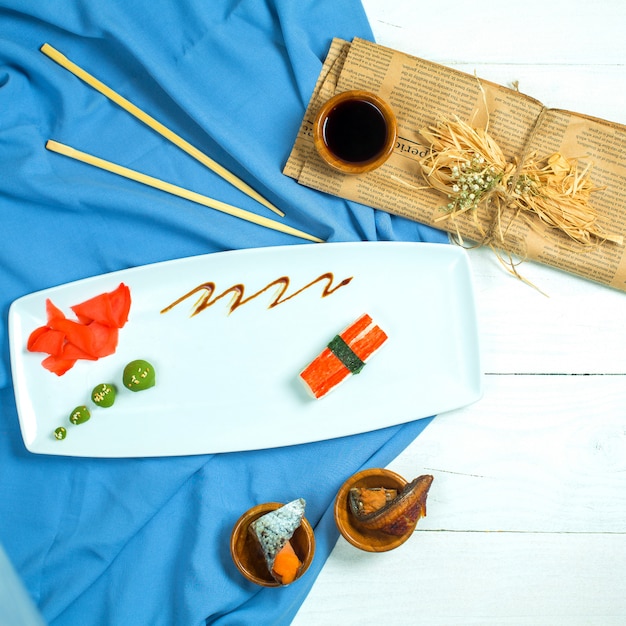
<point>471,181</point>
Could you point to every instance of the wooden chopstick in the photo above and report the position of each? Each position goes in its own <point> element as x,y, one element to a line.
<point>55,146</point>
<point>183,144</point>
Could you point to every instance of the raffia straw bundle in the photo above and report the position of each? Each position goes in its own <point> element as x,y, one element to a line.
<point>468,166</point>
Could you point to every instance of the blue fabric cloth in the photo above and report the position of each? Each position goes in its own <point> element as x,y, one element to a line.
<point>145,541</point>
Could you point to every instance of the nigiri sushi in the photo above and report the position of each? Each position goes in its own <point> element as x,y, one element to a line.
<point>344,356</point>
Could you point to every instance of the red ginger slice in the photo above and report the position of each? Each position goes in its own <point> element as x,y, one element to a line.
<point>93,336</point>
<point>110,309</point>
<point>94,339</point>
<point>53,312</point>
<point>57,365</point>
<point>44,339</point>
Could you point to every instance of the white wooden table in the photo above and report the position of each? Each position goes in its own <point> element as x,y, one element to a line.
<point>527,514</point>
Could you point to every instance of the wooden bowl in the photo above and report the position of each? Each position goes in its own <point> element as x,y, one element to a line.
<point>246,552</point>
<point>355,132</point>
<point>368,540</point>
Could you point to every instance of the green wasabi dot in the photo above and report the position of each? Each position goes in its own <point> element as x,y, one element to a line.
<point>139,375</point>
<point>80,415</point>
<point>60,433</point>
<point>104,395</point>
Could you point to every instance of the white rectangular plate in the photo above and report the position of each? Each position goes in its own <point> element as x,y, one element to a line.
<point>228,382</point>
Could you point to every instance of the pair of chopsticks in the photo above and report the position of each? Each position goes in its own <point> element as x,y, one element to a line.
<point>177,140</point>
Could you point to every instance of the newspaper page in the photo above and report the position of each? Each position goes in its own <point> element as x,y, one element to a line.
<point>421,92</point>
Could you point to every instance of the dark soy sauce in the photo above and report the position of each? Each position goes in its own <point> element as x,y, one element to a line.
<point>355,131</point>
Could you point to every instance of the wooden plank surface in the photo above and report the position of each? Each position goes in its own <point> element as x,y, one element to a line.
<point>476,579</point>
<point>527,514</point>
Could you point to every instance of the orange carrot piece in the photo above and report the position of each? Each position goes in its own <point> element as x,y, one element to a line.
<point>286,565</point>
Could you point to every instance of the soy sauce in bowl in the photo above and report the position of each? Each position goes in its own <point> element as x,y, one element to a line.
<point>355,132</point>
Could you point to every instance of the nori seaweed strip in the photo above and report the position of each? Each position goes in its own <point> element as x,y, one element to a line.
<point>345,354</point>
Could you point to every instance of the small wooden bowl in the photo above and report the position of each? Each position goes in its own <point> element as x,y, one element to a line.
<point>368,540</point>
<point>381,151</point>
<point>246,552</point>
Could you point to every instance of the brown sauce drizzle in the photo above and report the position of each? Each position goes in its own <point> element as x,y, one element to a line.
<point>207,299</point>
